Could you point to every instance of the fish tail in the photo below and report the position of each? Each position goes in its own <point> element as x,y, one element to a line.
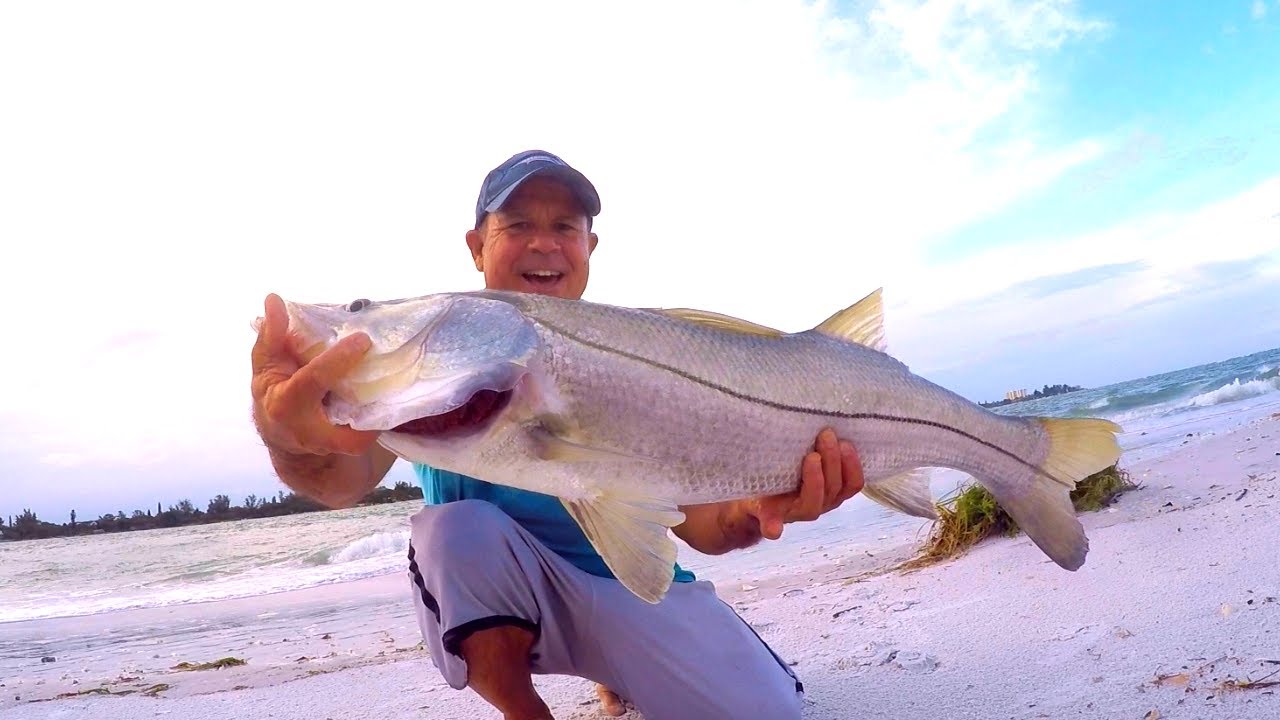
<point>1040,500</point>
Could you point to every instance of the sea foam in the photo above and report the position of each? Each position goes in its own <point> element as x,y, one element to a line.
<point>376,545</point>
<point>1235,390</point>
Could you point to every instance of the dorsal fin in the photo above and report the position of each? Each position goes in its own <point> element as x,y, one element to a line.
<point>720,322</point>
<point>861,322</point>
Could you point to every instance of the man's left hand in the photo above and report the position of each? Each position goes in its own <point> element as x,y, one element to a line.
<point>830,474</point>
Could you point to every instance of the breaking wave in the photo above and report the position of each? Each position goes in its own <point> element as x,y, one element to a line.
<point>1173,394</point>
<point>1235,390</point>
<point>392,543</point>
<point>1121,403</point>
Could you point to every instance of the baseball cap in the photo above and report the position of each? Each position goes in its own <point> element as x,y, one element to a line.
<point>504,179</point>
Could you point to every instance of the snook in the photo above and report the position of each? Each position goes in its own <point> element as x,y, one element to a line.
<point>626,414</point>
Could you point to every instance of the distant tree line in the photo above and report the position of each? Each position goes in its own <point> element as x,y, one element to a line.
<point>1045,391</point>
<point>27,526</point>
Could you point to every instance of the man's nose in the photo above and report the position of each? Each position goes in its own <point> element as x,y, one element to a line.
<point>544,241</point>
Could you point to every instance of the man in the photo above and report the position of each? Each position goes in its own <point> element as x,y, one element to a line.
<point>505,583</point>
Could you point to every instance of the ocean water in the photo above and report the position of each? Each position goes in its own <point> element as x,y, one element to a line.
<point>1158,412</point>
<point>68,577</point>
<point>64,577</point>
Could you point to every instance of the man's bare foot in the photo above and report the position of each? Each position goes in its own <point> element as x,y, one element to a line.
<point>610,703</point>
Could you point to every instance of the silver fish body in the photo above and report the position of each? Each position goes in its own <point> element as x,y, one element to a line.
<point>628,413</point>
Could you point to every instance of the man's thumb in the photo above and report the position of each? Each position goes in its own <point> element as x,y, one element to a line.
<point>333,364</point>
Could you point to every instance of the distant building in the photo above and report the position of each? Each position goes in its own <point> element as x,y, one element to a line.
<point>1015,394</point>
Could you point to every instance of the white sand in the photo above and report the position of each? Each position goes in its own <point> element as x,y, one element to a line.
<point>1182,581</point>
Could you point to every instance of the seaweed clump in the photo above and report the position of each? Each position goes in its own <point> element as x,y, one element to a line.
<point>974,515</point>
<point>225,662</point>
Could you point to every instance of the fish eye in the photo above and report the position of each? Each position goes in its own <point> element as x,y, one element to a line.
<point>358,305</point>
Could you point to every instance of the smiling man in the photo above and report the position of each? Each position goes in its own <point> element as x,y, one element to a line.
<point>505,583</point>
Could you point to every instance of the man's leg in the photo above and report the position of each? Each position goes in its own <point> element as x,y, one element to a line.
<point>498,670</point>
<point>474,570</point>
<point>494,605</point>
<point>690,656</point>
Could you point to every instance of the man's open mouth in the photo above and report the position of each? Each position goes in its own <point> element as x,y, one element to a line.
<point>471,416</point>
<point>542,277</point>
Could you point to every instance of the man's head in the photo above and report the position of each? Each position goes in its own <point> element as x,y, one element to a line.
<point>533,226</point>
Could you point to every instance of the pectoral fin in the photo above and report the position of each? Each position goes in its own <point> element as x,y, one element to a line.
<point>630,533</point>
<point>550,446</point>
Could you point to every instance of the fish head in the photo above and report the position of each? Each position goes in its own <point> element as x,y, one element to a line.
<point>442,366</point>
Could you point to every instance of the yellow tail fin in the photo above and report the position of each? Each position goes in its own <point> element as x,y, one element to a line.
<point>1079,447</point>
<point>1042,507</point>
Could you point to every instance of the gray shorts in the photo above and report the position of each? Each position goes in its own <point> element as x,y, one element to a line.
<point>472,567</point>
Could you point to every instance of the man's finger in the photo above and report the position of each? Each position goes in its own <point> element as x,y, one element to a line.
<point>263,379</point>
<point>349,441</point>
<point>770,518</point>
<point>271,333</point>
<point>318,376</point>
<point>832,473</point>
<point>808,505</point>
<point>851,468</point>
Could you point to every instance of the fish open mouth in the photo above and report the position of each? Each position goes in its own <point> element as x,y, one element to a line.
<point>472,415</point>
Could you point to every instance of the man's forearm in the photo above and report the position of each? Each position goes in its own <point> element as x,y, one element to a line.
<point>335,481</point>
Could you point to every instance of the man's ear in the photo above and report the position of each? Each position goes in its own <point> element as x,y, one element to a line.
<point>475,241</point>
<point>592,239</point>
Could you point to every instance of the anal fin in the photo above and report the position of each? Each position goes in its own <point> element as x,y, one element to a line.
<point>906,492</point>
<point>630,533</point>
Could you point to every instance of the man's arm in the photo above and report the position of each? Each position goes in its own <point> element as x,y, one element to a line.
<point>334,480</point>
<point>829,475</point>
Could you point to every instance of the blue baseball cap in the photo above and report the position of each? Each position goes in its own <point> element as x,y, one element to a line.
<point>504,179</point>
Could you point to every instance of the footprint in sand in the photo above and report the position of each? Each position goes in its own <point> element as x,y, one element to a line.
<point>881,654</point>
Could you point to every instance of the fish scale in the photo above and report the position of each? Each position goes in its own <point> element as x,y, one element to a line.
<point>772,373</point>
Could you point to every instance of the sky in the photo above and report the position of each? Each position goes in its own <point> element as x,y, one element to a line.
<point>1048,191</point>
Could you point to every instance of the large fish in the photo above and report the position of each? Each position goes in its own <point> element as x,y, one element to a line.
<point>627,413</point>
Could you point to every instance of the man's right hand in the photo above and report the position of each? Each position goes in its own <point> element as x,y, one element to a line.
<point>288,394</point>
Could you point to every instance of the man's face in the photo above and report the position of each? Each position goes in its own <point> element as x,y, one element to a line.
<point>538,242</point>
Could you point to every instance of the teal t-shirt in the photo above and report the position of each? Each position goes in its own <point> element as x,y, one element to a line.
<point>542,515</point>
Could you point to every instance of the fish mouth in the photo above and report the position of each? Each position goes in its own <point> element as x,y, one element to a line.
<point>471,417</point>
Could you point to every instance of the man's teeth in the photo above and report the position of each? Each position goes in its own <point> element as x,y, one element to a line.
<point>543,273</point>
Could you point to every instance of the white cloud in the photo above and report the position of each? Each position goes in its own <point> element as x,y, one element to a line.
<point>1259,10</point>
<point>168,166</point>
<point>961,315</point>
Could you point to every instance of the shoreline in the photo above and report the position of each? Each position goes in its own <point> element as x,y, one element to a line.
<point>1178,603</point>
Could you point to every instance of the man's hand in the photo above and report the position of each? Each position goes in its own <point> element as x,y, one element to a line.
<point>288,395</point>
<point>830,474</point>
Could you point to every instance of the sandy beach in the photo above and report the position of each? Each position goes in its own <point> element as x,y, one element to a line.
<point>1175,613</point>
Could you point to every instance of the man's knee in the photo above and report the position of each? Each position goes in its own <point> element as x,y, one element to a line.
<point>462,526</point>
